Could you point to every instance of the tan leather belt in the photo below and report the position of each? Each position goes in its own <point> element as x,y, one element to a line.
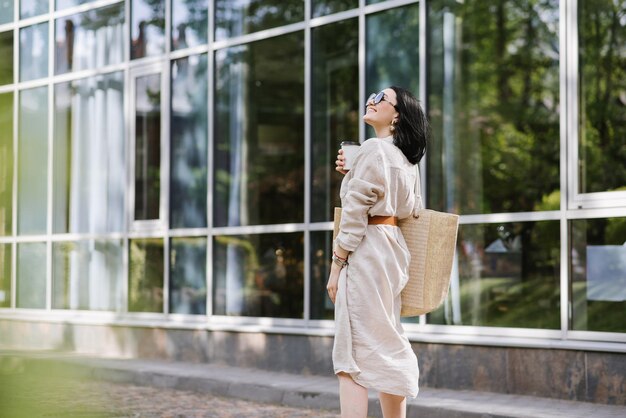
<point>383,220</point>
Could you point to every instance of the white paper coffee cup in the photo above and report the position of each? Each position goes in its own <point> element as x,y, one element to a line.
<point>350,149</point>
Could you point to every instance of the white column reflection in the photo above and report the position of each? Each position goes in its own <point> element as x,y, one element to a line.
<point>237,202</point>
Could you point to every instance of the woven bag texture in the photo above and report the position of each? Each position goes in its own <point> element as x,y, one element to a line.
<point>431,239</point>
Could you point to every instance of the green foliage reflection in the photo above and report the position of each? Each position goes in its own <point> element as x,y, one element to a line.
<point>145,292</point>
<point>602,121</point>
<point>494,105</point>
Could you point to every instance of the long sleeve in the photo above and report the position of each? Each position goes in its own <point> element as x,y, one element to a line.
<point>363,186</point>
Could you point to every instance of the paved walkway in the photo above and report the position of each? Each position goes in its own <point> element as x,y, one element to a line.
<point>143,388</point>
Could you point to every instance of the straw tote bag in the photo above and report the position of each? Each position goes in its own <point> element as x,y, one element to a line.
<point>431,239</point>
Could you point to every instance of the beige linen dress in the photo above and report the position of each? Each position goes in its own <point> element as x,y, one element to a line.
<point>370,344</point>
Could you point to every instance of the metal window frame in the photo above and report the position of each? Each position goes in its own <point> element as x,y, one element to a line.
<point>573,206</point>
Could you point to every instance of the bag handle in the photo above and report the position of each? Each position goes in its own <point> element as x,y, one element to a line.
<point>419,204</point>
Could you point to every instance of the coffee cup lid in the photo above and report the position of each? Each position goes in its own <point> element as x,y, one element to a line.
<point>349,143</point>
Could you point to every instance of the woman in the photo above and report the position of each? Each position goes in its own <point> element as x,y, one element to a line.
<point>371,259</point>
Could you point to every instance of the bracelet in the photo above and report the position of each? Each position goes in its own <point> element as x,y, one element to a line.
<point>340,262</point>
<point>341,258</point>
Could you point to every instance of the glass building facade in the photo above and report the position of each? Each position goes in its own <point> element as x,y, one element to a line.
<point>174,159</point>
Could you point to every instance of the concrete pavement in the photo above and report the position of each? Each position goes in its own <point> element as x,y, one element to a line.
<point>314,392</point>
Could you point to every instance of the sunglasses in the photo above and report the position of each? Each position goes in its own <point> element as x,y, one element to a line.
<point>377,98</point>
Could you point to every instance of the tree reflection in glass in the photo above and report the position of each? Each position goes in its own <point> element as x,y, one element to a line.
<point>336,113</point>
<point>6,50</point>
<point>392,53</point>
<point>506,275</point>
<point>145,279</point>
<point>64,4</point>
<point>326,7</point>
<point>87,275</point>
<point>92,39</point>
<point>188,291</point>
<point>30,8</point>
<point>148,147</point>
<point>259,275</point>
<point>189,23</point>
<point>188,143</point>
<point>6,164</point>
<point>494,106</point>
<point>235,18</point>
<point>147,28</point>
<point>320,254</point>
<point>89,155</point>
<point>602,96</point>
<point>34,52</point>
<point>259,133</point>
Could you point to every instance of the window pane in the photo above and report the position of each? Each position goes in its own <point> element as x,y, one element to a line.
<point>507,275</point>
<point>87,275</point>
<point>321,253</point>
<point>189,24</point>
<point>494,106</point>
<point>258,275</point>
<point>188,276</point>
<point>259,132</point>
<point>93,39</point>
<point>326,7</point>
<point>335,107</point>
<point>31,275</point>
<point>393,50</point>
<point>6,51</point>
<point>147,28</point>
<point>29,8</point>
<point>89,155</point>
<point>188,146</point>
<point>6,11</point>
<point>602,96</point>
<point>32,174</point>
<point>598,266</point>
<point>6,164</point>
<point>34,52</point>
<point>64,4</point>
<point>5,275</point>
<point>234,18</point>
<point>147,147</point>
<point>145,287</point>
<point>392,53</point>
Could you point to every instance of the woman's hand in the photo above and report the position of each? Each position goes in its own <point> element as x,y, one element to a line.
<point>340,162</point>
<point>333,281</point>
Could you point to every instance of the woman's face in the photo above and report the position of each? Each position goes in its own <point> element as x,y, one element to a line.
<point>383,112</point>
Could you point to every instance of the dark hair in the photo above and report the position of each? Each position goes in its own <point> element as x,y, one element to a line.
<point>412,130</point>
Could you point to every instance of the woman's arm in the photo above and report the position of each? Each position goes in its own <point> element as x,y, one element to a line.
<point>362,188</point>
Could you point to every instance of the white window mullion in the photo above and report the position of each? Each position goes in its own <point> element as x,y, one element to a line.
<point>210,139</point>
<point>362,63</point>
<point>307,161</point>
<point>50,114</point>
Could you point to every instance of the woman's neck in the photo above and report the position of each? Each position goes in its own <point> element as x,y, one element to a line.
<point>382,132</point>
